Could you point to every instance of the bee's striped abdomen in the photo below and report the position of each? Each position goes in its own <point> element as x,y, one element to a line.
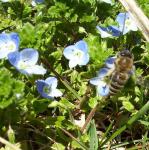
<point>118,81</point>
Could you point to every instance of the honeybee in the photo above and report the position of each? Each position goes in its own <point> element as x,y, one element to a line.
<point>123,69</point>
<point>112,78</point>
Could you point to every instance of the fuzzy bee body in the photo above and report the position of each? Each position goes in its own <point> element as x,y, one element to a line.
<point>121,73</point>
<point>116,72</point>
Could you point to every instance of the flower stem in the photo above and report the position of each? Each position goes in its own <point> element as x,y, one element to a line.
<point>92,113</point>
<point>89,117</point>
<point>70,135</point>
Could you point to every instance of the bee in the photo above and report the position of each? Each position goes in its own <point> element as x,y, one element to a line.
<point>123,69</point>
<point>112,78</point>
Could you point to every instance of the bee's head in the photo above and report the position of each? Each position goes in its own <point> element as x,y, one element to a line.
<point>125,53</point>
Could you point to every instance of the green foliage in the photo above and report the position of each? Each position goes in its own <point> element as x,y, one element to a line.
<point>93,137</point>
<point>144,6</point>
<point>11,90</point>
<point>32,122</point>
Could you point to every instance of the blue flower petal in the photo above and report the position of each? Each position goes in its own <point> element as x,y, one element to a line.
<point>77,54</point>
<point>72,64</point>
<point>121,17</point>
<point>14,58</point>
<point>29,56</point>
<point>52,81</point>
<point>40,88</point>
<point>110,62</point>
<point>24,71</point>
<point>35,2</point>
<point>4,36</point>
<point>5,1</point>
<point>109,31</point>
<point>69,52</point>
<point>25,62</point>
<point>104,32</point>
<point>103,72</point>
<point>126,23</point>
<point>8,44</point>
<point>103,89</point>
<point>15,37</point>
<point>84,60</point>
<point>108,1</point>
<point>95,81</point>
<point>82,45</point>
<point>35,69</point>
<point>56,93</point>
<point>115,31</point>
<point>39,1</point>
<point>47,88</point>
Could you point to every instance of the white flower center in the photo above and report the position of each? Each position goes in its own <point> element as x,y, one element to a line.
<point>78,53</point>
<point>23,65</point>
<point>128,22</point>
<point>47,89</point>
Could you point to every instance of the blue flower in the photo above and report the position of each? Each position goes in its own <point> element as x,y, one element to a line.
<point>48,88</point>
<point>126,23</point>
<point>4,1</point>
<point>108,1</point>
<point>103,88</point>
<point>8,43</point>
<point>108,31</point>
<point>35,2</point>
<point>77,54</point>
<point>25,61</point>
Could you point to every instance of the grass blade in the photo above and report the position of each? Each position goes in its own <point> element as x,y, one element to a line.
<point>141,112</point>
<point>93,136</point>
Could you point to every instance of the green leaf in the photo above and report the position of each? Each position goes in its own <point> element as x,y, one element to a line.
<point>93,144</point>
<point>40,106</point>
<point>128,106</point>
<point>66,104</point>
<point>87,18</point>
<point>11,135</point>
<point>59,121</point>
<point>27,34</point>
<point>58,146</point>
<point>93,102</point>
<point>11,90</point>
<point>134,118</point>
<point>145,123</point>
<point>98,50</point>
